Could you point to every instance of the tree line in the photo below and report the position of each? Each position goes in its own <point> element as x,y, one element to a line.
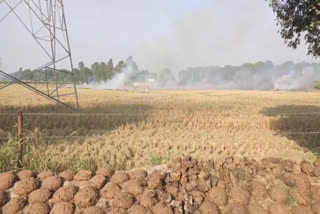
<point>259,75</point>
<point>97,72</point>
<point>250,73</point>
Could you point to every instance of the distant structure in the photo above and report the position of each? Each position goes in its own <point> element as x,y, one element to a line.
<point>46,22</point>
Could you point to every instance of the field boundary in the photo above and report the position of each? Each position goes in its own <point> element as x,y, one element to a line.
<point>111,114</point>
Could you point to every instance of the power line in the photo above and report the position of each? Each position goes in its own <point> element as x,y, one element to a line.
<point>140,114</point>
<point>94,136</point>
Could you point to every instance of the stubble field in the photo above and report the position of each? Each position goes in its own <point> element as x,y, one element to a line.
<point>130,129</point>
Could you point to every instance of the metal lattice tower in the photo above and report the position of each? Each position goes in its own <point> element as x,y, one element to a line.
<point>46,22</point>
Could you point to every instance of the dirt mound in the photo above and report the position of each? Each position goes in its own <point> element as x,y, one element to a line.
<point>3,198</point>
<point>227,186</point>
<point>240,195</point>
<point>135,187</point>
<point>278,194</point>
<point>64,194</point>
<point>110,190</point>
<point>93,210</point>
<point>256,209</point>
<point>148,198</point>
<point>302,210</point>
<point>237,208</point>
<point>52,183</point>
<point>37,209</point>
<point>26,174</point>
<point>315,192</point>
<point>67,175</point>
<point>123,200</point>
<point>83,175</point>
<point>302,199</point>
<point>138,174</point>
<point>39,196</point>
<point>258,190</point>
<point>209,207</point>
<point>26,186</point>
<point>86,197</point>
<point>160,208</point>
<point>316,207</point>
<point>137,209</point>
<point>119,177</point>
<point>44,175</point>
<point>7,180</point>
<point>155,179</point>
<point>14,205</point>
<point>301,182</point>
<point>97,182</point>
<point>218,196</point>
<point>278,208</point>
<point>63,208</point>
<point>106,172</point>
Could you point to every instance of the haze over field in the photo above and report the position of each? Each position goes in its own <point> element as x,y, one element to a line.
<point>185,44</point>
<point>248,76</point>
<point>159,34</point>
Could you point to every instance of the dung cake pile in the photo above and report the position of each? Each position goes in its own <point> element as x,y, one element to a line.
<point>231,186</point>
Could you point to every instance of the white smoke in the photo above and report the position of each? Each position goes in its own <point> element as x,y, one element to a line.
<point>297,80</point>
<point>265,76</point>
<point>269,79</point>
<point>120,80</point>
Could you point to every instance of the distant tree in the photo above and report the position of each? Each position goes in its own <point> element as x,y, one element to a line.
<point>64,76</point>
<point>95,67</point>
<point>299,19</point>
<point>85,73</point>
<point>229,71</point>
<point>316,84</point>
<point>81,65</point>
<point>28,74</point>
<point>258,66</point>
<point>132,64</point>
<point>109,69</point>
<point>103,71</point>
<point>77,75</point>
<point>20,73</point>
<point>119,66</point>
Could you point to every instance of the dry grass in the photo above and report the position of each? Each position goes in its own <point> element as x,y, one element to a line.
<point>203,124</point>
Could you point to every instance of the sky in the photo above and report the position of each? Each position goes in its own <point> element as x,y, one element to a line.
<point>158,34</point>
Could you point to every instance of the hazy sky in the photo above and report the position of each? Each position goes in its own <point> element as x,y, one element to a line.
<point>158,34</point>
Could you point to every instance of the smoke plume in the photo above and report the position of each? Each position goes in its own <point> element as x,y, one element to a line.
<point>121,80</point>
<point>249,76</point>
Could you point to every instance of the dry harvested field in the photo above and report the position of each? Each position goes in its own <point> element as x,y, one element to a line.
<point>161,126</point>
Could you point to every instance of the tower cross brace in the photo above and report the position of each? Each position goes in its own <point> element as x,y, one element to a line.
<point>45,21</point>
